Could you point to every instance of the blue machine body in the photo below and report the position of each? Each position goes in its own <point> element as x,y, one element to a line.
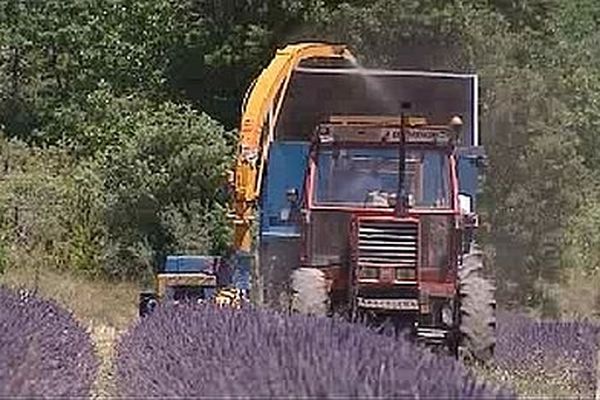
<point>441,95</point>
<point>286,168</point>
<point>191,264</point>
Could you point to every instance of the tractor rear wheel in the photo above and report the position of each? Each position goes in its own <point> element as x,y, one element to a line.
<point>309,292</point>
<point>477,309</point>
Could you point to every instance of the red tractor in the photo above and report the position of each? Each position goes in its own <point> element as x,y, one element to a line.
<point>385,235</point>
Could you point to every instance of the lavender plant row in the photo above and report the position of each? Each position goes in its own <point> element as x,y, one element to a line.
<point>548,346</point>
<point>43,351</point>
<point>189,351</point>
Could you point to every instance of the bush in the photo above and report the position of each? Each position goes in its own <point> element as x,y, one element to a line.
<point>50,208</point>
<point>162,182</point>
<point>133,182</point>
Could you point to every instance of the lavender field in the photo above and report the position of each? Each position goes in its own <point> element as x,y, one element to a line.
<point>224,353</point>
<point>44,352</point>
<point>189,352</point>
<point>207,352</point>
<point>561,356</point>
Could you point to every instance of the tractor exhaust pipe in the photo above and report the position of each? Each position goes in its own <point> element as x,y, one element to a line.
<point>401,195</point>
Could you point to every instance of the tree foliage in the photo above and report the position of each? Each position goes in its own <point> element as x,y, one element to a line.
<point>136,180</point>
<point>55,52</point>
<point>163,182</point>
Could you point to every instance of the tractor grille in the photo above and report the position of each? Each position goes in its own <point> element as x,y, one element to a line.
<point>387,244</point>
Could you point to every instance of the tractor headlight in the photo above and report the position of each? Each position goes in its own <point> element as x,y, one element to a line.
<point>405,274</point>
<point>368,273</point>
<point>447,315</point>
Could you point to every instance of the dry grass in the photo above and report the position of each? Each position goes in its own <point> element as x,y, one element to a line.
<point>94,302</point>
<point>579,295</point>
<point>105,308</point>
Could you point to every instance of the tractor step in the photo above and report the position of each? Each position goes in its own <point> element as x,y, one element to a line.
<point>433,335</point>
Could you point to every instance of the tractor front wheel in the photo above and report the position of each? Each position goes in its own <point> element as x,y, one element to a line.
<point>309,292</point>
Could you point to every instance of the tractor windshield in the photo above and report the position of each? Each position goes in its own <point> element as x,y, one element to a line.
<point>369,178</point>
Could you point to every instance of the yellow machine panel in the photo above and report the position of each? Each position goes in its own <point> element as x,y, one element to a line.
<point>188,279</point>
<point>261,111</point>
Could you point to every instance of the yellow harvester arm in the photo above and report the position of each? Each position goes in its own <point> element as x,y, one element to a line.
<point>257,129</point>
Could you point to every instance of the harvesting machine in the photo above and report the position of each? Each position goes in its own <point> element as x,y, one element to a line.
<point>192,278</point>
<point>354,193</point>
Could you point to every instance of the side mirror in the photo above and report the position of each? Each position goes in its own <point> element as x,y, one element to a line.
<point>230,181</point>
<point>456,124</point>
<point>410,200</point>
<point>465,203</point>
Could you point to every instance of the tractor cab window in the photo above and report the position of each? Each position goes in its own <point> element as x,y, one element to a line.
<point>369,178</point>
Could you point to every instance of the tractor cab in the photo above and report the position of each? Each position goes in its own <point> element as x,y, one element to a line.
<point>364,165</point>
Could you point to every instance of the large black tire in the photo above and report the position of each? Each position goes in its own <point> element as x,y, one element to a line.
<point>309,292</point>
<point>477,309</point>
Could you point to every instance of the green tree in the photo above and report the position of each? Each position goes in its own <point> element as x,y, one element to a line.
<point>162,184</point>
<point>56,52</point>
<point>225,45</point>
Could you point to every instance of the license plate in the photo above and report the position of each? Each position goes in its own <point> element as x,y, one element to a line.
<point>390,304</point>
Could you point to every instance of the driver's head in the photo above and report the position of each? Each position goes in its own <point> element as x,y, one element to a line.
<point>375,170</point>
